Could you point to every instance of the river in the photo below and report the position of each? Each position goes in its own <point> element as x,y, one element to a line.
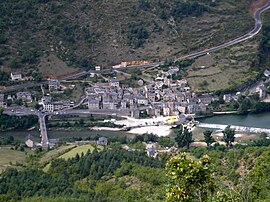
<point>251,120</point>
<point>56,134</point>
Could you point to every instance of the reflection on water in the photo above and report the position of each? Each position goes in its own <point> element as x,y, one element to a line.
<point>251,120</point>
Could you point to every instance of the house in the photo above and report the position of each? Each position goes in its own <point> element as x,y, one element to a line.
<point>30,142</point>
<point>166,111</point>
<point>58,106</point>
<point>266,73</point>
<point>109,104</point>
<point>16,76</point>
<point>193,108</point>
<point>48,107</point>
<point>123,105</point>
<point>3,104</point>
<point>47,104</point>
<point>54,85</point>
<point>227,97</point>
<point>93,104</point>
<point>206,99</point>
<point>97,68</point>
<point>102,141</point>
<point>151,152</point>
<point>141,101</point>
<point>261,90</point>
<point>90,92</point>
<point>114,83</point>
<point>24,96</point>
<point>151,97</point>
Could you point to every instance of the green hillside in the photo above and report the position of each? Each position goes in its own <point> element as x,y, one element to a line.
<point>41,34</point>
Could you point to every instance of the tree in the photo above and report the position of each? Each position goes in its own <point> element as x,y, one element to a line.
<point>189,180</point>
<point>183,138</point>
<point>228,136</point>
<point>208,137</point>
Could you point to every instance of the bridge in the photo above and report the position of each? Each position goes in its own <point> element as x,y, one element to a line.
<point>43,132</point>
<point>236,128</point>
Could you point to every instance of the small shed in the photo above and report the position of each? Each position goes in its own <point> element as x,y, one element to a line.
<point>102,141</point>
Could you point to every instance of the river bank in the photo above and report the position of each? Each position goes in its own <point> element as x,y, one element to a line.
<point>261,120</point>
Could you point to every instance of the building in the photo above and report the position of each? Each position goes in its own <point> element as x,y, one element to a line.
<point>114,83</point>
<point>261,90</point>
<point>47,104</point>
<point>141,101</point>
<point>24,96</point>
<point>93,104</point>
<point>266,73</point>
<point>54,85</point>
<point>16,76</point>
<point>102,141</point>
<point>3,104</point>
<point>151,97</point>
<point>48,107</point>
<point>151,152</point>
<point>227,97</point>
<point>30,142</point>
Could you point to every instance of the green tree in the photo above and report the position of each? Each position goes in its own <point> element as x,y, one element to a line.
<point>208,138</point>
<point>244,106</point>
<point>228,136</point>
<point>184,138</point>
<point>189,180</point>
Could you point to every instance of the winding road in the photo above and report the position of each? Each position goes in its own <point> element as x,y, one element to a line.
<point>257,28</point>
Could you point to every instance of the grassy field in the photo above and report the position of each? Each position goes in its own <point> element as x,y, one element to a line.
<point>78,150</point>
<point>55,153</point>
<point>9,158</point>
<point>223,69</point>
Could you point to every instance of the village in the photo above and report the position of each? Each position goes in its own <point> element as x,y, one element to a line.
<point>164,96</point>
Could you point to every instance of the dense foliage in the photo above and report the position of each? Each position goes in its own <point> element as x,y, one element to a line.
<point>16,122</point>
<point>90,177</point>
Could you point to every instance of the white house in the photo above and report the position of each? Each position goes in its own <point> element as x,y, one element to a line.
<point>16,76</point>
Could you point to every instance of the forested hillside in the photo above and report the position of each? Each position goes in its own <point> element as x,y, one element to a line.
<point>89,32</point>
<point>239,174</point>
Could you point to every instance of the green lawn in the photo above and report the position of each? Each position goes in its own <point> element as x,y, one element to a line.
<point>55,153</point>
<point>78,150</point>
<point>7,155</point>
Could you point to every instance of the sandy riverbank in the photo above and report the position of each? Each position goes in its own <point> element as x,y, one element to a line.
<point>157,130</point>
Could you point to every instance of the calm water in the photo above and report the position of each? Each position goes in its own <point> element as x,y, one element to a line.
<point>251,120</point>
<point>54,134</point>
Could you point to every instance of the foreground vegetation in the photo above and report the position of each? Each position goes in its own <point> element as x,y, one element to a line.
<point>232,173</point>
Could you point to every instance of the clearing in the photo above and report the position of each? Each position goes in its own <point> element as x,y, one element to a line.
<point>10,158</point>
<point>78,150</point>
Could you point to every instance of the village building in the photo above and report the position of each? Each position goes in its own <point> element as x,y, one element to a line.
<point>3,104</point>
<point>24,96</point>
<point>29,141</point>
<point>54,85</point>
<point>93,104</point>
<point>261,90</point>
<point>16,76</point>
<point>102,141</point>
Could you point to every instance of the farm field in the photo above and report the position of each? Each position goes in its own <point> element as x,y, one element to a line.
<point>78,150</point>
<point>10,158</point>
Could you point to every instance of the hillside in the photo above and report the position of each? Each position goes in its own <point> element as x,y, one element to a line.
<point>41,34</point>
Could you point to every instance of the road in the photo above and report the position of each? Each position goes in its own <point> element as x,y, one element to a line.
<point>257,28</point>
<point>43,131</point>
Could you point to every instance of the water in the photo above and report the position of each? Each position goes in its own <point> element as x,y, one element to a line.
<point>55,134</point>
<point>252,120</point>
